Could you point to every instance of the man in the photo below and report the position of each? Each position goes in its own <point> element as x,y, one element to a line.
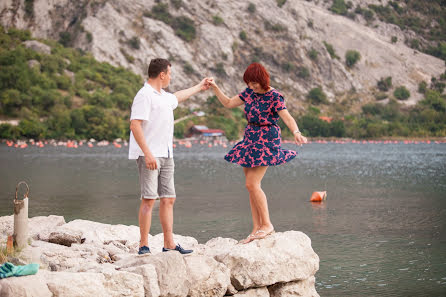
<point>151,145</point>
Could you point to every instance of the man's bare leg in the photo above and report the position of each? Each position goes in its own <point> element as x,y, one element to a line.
<point>166,219</point>
<point>145,220</point>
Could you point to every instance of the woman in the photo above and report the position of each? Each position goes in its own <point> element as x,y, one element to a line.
<point>260,146</point>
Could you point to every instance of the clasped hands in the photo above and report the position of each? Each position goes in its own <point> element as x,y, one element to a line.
<point>206,83</point>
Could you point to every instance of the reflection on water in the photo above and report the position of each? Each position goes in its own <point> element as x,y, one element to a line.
<point>381,232</point>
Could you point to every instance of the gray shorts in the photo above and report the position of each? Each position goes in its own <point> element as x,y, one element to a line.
<point>157,183</point>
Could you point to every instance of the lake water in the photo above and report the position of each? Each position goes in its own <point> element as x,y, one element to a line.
<point>381,232</point>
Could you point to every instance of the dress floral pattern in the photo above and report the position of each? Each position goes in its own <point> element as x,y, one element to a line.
<point>261,143</point>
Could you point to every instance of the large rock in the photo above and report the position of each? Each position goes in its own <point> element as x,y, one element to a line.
<point>304,288</point>
<point>25,286</point>
<point>281,257</point>
<point>39,228</point>
<point>257,292</point>
<point>150,277</point>
<point>119,283</point>
<point>38,46</point>
<point>208,277</point>
<point>65,237</point>
<point>77,258</point>
<point>156,242</point>
<point>98,233</point>
<point>173,278</point>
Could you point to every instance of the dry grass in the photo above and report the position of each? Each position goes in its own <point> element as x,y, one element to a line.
<point>5,255</point>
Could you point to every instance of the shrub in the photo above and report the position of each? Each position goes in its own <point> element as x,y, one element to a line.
<point>401,93</point>
<point>32,128</point>
<point>89,37</point>
<point>351,57</point>
<point>280,3</point>
<point>7,131</point>
<point>29,8</point>
<point>177,3</point>
<point>439,86</point>
<point>303,72</point>
<point>220,69</point>
<point>394,39</point>
<point>310,23</point>
<point>160,12</point>
<point>274,27</point>
<point>415,44</point>
<point>188,69</point>
<point>330,50</point>
<point>368,15</point>
<point>380,96</point>
<point>134,42</point>
<point>243,35</point>
<point>288,66</point>
<point>339,7</point>
<point>434,100</point>
<point>252,7</point>
<point>217,20</point>
<point>128,57</point>
<point>422,87</point>
<point>184,28</point>
<point>65,38</point>
<point>317,96</point>
<point>313,54</point>
<point>384,84</point>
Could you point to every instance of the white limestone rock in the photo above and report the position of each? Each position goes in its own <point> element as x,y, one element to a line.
<point>119,283</point>
<point>150,277</point>
<point>98,233</point>
<point>39,228</point>
<point>256,292</point>
<point>280,257</point>
<point>173,279</point>
<point>65,237</point>
<point>208,277</point>
<point>38,46</point>
<point>303,288</point>
<point>25,286</point>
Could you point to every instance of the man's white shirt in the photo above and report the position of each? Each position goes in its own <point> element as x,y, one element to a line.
<point>155,109</point>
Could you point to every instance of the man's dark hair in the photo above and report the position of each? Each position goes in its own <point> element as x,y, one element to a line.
<point>157,66</point>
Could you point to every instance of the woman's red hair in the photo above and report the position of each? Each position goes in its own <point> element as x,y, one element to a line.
<point>257,73</point>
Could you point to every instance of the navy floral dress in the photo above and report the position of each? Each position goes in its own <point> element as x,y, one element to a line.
<point>261,143</point>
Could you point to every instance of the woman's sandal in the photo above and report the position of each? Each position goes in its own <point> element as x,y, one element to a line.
<point>248,239</point>
<point>260,234</point>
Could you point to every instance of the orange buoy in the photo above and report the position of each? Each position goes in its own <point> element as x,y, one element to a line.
<point>318,196</point>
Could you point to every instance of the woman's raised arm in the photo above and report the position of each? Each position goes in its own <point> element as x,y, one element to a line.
<point>225,100</point>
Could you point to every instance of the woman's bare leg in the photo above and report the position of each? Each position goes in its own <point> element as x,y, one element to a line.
<point>257,199</point>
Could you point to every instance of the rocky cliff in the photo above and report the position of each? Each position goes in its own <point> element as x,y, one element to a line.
<point>220,38</point>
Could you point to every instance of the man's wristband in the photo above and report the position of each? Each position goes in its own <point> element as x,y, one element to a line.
<point>297,131</point>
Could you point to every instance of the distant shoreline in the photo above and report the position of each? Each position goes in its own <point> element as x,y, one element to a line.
<point>188,142</point>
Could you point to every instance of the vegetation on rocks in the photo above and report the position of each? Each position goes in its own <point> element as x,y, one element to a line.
<point>67,95</point>
<point>351,57</point>
<point>183,26</point>
<point>70,95</point>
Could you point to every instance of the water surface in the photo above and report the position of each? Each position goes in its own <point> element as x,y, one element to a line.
<point>382,231</point>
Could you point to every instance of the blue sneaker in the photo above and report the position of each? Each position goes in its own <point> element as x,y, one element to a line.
<point>178,248</point>
<point>143,250</point>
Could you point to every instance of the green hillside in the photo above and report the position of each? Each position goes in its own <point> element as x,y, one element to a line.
<point>94,102</point>
<point>69,95</point>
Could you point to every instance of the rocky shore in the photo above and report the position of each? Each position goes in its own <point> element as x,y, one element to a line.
<point>85,258</point>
